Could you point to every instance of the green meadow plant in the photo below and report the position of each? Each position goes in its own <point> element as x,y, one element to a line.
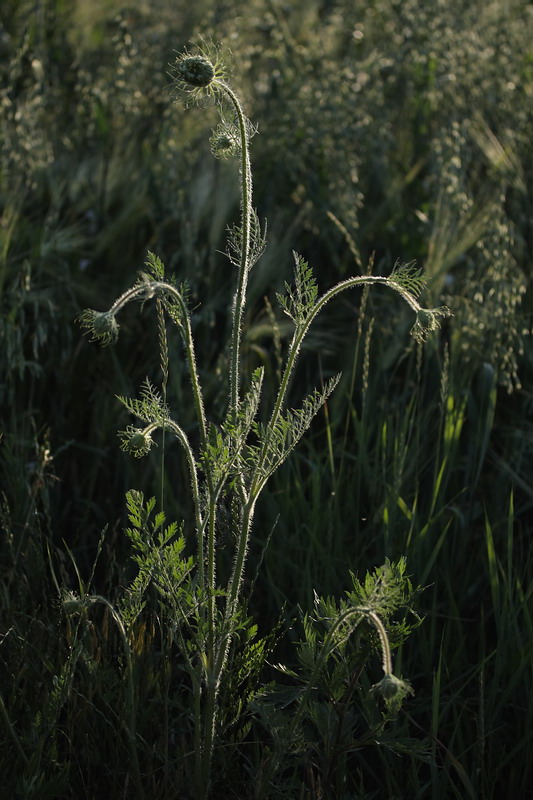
<point>231,460</point>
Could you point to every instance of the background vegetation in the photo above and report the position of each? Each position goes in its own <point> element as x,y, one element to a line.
<point>409,122</point>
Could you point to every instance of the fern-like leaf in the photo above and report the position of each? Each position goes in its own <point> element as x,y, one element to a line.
<point>408,277</point>
<point>256,246</point>
<point>150,407</point>
<point>275,443</point>
<point>300,300</point>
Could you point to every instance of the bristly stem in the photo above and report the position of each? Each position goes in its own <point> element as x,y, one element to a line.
<point>200,522</point>
<point>239,301</point>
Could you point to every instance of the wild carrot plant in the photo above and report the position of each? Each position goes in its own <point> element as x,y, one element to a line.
<point>231,461</point>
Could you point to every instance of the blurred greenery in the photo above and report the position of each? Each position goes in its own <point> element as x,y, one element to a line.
<point>411,123</point>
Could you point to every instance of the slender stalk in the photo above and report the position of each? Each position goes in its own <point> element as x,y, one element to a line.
<point>211,575</point>
<point>191,360</point>
<point>246,213</point>
<point>130,692</point>
<point>240,557</point>
<point>386,656</point>
<point>151,289</point>
<point>200,523</point>
<point>216,663</point>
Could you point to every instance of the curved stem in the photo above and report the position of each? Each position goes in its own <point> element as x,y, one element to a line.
<point>361,612</point>
<point>200,524</point>
<point>149,290</point>
<point>302,329</point>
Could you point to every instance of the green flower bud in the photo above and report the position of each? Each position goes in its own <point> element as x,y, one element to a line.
<point>427,320</point>
<point>102,325</point>
<point>393,690</point>
<point>136,441</point>
<point>72,604</point>
<point>225,141</point>
<point>199,74</point>
<point>197,71</point>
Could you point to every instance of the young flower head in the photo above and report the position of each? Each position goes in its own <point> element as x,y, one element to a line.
<point>393,690</point>
<point>102,325</point>
<point>136,441</point>
<point>427,320</point>
<point>72,604</point>
<point>199,74</point>
<point>225,141</point>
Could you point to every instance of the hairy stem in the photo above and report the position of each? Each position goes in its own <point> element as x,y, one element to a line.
<point>200,523</point>
<point>151,289</point>
<point>239,301</point>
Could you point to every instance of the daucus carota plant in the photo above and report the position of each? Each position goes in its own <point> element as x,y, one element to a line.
<point>235,459</point>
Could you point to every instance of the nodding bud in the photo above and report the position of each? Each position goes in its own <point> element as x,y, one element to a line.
<point>225,141</point>
<point>393,690</point>
<point>222,146</point>
<point>136,441</point>
<point>72,604</point>
<point>102,325</point>
<point>427,320</point>
<point>197,70</point>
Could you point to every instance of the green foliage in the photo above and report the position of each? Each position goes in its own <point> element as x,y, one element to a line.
<point>149,407</point>
<point>300,302</point>
<point>275,442</point>
<point>226,456</point>
<point>311,715</point>
<point>158,552</point>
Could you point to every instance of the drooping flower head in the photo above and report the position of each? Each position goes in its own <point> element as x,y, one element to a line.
<point>101,325</point>
<point>427,320</point>
<point>136,441</point>
<point>393,690</point>
<point>225,142</point>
